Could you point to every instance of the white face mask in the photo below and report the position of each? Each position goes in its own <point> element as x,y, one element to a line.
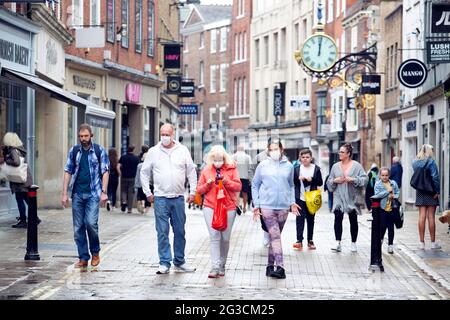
<point>275,155</point>
<point>166,140</point>
<point>218,164</point>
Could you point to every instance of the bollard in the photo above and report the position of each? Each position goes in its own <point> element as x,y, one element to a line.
<point>32,234</point>
<point>375,245</point>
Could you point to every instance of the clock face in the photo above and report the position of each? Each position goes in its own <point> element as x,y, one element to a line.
<point>319,52</point>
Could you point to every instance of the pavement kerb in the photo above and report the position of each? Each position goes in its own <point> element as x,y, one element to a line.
<point>405,252</point>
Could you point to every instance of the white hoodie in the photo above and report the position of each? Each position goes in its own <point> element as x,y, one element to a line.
<point>168,169</point>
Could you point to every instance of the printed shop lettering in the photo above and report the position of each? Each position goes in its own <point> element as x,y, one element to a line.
<point>13,52</point>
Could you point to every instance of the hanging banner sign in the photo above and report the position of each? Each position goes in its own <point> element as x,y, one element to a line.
<point>412,73</point>
<point>187,89</point>
<point>440,18</point>
<point>188,109</point>
<point>172,56</point>
<point>278,102</point>
<point>371,84</point>
<point>173,84</point>
<point>438,51</point>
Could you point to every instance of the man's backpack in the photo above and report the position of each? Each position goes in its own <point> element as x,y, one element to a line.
<point>98,154</point>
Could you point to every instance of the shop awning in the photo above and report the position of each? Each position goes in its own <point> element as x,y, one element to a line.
<point>95,115</point>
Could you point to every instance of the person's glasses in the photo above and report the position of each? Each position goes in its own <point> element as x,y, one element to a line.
<point>342,151</point>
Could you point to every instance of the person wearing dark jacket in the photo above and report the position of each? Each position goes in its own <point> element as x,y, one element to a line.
<point>396,171</point>
<point>13,150</point>
<point>307,177</point>
<point>370,187</point>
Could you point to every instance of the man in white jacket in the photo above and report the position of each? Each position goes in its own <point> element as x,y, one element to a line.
<point>169,163</point>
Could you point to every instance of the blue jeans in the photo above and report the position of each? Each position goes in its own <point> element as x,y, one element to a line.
<point>21,199</point>
<point>85,210</point>
<point>170,209</point>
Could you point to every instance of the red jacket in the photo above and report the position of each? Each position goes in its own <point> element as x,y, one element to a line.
<point>231,186</point>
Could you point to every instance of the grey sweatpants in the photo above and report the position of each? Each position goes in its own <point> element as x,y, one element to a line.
<point>219,240</point>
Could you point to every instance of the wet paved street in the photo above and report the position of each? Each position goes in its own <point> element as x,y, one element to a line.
<point>129,262</point>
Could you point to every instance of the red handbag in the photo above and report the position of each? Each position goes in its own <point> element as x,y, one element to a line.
<point>219,221</point>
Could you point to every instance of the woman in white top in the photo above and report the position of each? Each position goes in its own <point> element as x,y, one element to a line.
<point>307,177</point>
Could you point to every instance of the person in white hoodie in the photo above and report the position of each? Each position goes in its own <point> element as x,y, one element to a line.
<point>169,163</point>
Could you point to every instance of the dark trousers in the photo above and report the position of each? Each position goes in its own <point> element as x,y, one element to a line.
<point>112,188</point>
<point>387,222</point>
<point>338,217</point>
<point>127,192</point>
<point>300,222</point>
<point>21,199</point>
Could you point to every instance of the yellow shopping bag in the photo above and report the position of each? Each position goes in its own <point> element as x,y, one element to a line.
<point>313,200</point>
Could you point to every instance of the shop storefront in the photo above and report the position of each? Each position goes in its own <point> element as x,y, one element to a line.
<point>409,148</point>
<point>16,100</point>
<point>136,99</point>
<point>432,129</point>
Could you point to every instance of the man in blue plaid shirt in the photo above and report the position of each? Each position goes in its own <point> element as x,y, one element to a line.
<point>87,169</point>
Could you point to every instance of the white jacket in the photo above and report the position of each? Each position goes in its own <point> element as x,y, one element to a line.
<point>168,169</point>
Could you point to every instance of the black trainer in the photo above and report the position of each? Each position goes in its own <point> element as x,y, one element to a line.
<point>108,206</point>
<point>123,207</point>
<point>21,224</point>
<point>269,270</point>
<point>279,273</point>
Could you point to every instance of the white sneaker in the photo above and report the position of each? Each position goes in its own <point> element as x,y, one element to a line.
<point>266,239</point>
<point>390,249</point>
<point>163,269</point>
<point>338,247</point>
<point>435,246</point>
<point>421,246</point>
<point>184,268</point>
<point>353,247</point>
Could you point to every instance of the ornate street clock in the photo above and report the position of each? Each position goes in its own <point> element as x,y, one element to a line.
<point>319,52</point>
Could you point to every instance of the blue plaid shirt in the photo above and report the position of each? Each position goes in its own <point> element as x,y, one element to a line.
<point>96,180</point>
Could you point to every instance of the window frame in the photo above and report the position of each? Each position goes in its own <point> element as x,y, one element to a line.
<point>138,26</point>
<point>111,23</point>
<point>151,28</point>
<point>125,10</point>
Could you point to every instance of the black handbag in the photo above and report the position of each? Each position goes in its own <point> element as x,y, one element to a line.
<point>398,214</point>
<point>421,180</point>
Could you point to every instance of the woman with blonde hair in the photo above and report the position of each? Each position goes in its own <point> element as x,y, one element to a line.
<point>427,201</point>
<point>220,169</point>
<point>13,150</point>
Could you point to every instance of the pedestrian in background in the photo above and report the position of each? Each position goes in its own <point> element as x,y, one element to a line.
<point>127,170</point>
<point>307,177</point>
<point>87,169</point>
<point>370,188</point>
<point>387,190</point>
<point>113,179</point>
<point>143,204</point>
<point>244,163</point>
<point>144,149</point>
<point>220,166</point>
<point>396,171</point>
<point>13,150</point>
<point>427,202</point>
<point>273,194</point>
<point>169,163</point>
<point>346,180</point>
<point>330,195</point>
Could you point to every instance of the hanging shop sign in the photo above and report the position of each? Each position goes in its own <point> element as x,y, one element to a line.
<point>440,18</point>
<point>438,51</point>
<point>133,93</point>
<point>188,109</point>
<point>278,102</point>
<point>371,84</point>
<point>300,103</point>
<point>172,56</point>
<point>173,84</point>
<point>412,73</point>
<point>187,89</point>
